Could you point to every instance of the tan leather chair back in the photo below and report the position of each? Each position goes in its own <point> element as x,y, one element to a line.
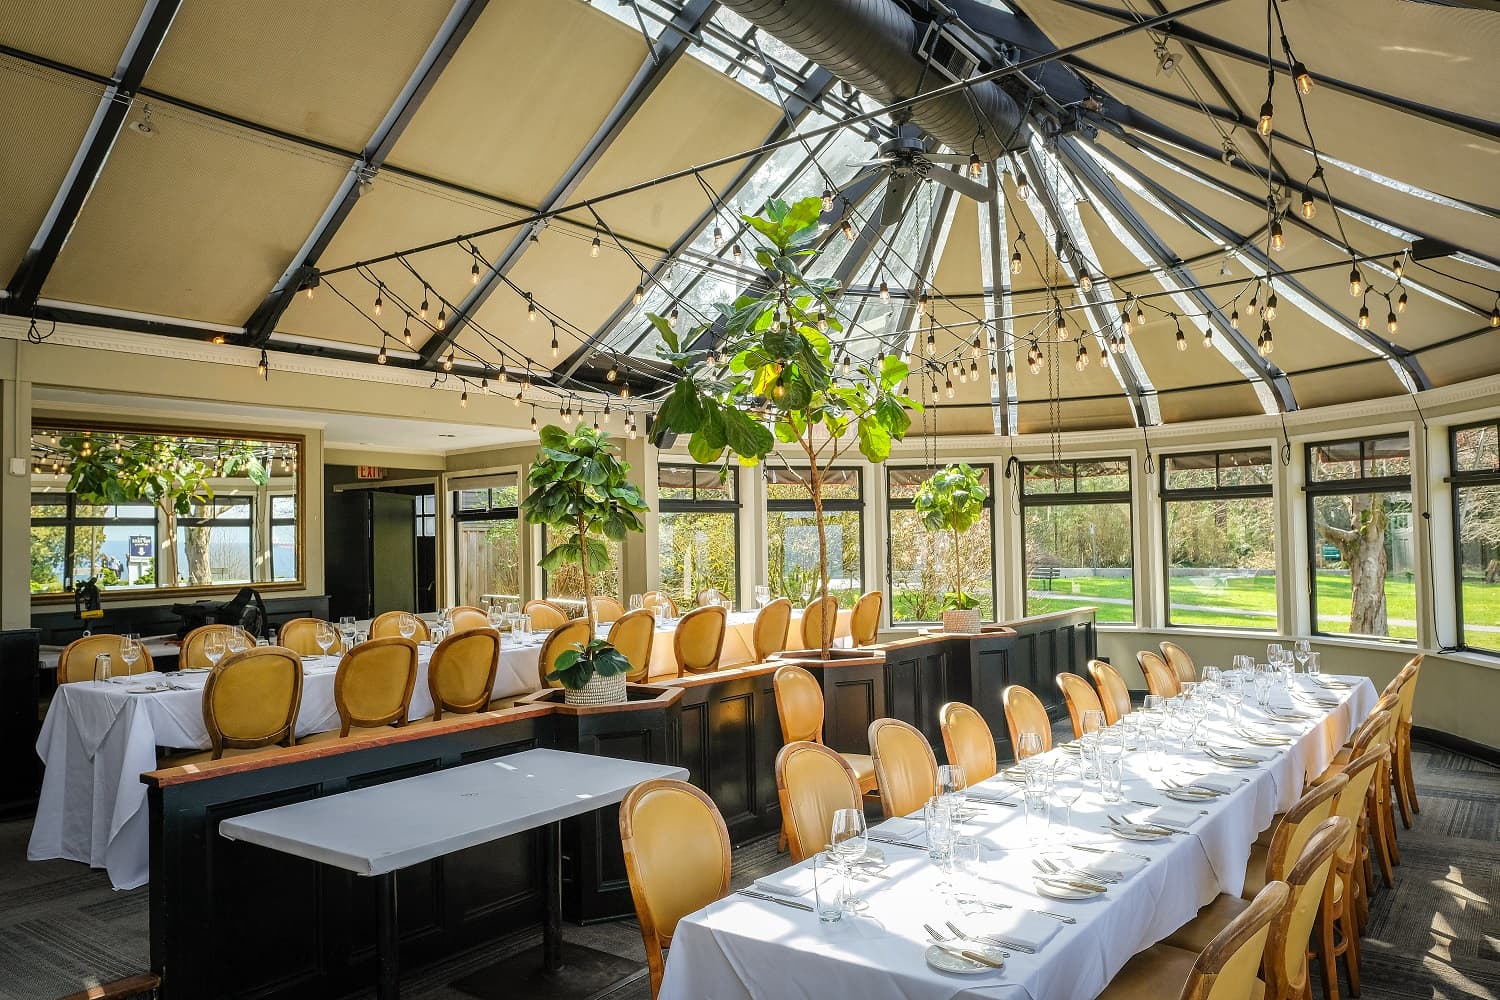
<point>1161,679</point>
<point>466,618</point>
<point>812,782</point>
<point>1285,964</point>
<point>1229,968</point>
<point>1024,713</point>
<point>1291,835</point>
<point>905,769</point>
<point>771,625</point>
<point>1181,663</point>
<point>676,857</point>
<point>1080,697</point>
<point>461,674</point>
<point>666,607</point>
<point>76,661</point>
<point>864,620</point>
<point>545,616</point>
<point>374,683</point>
<point>559,640</point>
<point>1114,696</point>
<point>301,636</point>
<point>633,635</point>
<point>968,741</point>
<point>699,639</point>
<point>251,699</point>
<point>799,704</point>
<point>820,617</point>
<point>387,625</point>
<point>606,609</point>
<point>193,657</point>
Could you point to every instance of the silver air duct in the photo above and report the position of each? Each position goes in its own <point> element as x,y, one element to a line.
<point>872,44</point>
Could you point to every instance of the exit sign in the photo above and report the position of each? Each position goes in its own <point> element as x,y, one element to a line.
<point>370,472</point>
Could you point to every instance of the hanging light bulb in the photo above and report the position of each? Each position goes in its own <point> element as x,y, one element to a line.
<point>263,369</point>
<point>1082,360</point>
<point>848,230</point>
<point>737,254</point>
<point>379,300</point>
<point>448,361</point>
<point>976,347</point>
<point>380,358</point>
<point>1398,267</point>
<point>822,321</point>
<point>1278,236</point>
<point>463,398</point>
<point>309,291</point>
<point>1495,316</point>
<point>516,401</point>
<point>885,291</point>
<point>1401,302</point>
<point>718,236</point>
<point>624,390</point>
<point>442,320</point>
<point>828,199</point>
<point>612,374</point>
<point>1015,259</point>
<point>533,419</point>
<point>963,374</point>
<point>1301,77</point>
<point>1264,125</point>
<point>639,294</point>
<point>1085,280</point>
<point>1270,312</point>
<point>922,304</point>
<point>1023,187</point>
<point>554,342</point>
<point>1181,340</point>
<point>672,318</point>
<point>593,252</point>
<point>976,166</point>
<point>1103,358</point>
<point>1270,342</point>
<point>1390,322</point>
<point>1010,369</point>
<point>1140,317</point>
<point>1061,325</point>
<point>406,331</point>
<point>1356,281</point>
<point>474,271</point>
<point>606,414</point>
<point>931,344</point>
<point>1309,206</point>
<point>422,310</point>
<point>948,387</point>
<point>1208,336</point>
<point>530,309</point>
<point>1364,317</point>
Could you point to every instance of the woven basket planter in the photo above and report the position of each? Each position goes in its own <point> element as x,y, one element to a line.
<point>961,621</point>
<point>598,691</point>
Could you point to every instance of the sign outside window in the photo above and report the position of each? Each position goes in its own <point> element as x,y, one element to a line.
<point>142,546</point>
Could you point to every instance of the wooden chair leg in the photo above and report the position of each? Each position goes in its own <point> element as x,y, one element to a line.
<point>1327,955</point>
<point>1388,814</point>
<point>1351,952</point>
<point>1408,779</point>
<point>1399,789</point>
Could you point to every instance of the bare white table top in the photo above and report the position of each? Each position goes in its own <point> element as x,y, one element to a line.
<point>387,827</point>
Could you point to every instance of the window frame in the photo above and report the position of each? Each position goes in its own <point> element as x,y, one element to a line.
<point>1168,495</point>
<point>503,512</point>
<point>1077,499</point>
<point>855,503</point>
<point>1312,489</point>
<point>1457,480</point>
<point>187,521</point>
<point>677,505</point>
<point>893,504</point>
<point>72,520</point>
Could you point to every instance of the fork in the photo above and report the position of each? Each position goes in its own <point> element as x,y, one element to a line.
<point>947,945</point>
<point>1052,868</point>
<point>990,939</point>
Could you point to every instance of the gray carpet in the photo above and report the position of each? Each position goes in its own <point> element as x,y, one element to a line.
<point>1433,936</point>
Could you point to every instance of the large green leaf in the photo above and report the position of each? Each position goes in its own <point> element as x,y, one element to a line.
<point>683,409</point>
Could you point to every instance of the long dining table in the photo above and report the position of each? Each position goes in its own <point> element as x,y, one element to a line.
<point>99,737</point>
<point>775,945</point>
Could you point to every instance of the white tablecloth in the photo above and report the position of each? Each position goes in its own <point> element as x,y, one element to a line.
<point>97,739</point>
<point>743,947</point>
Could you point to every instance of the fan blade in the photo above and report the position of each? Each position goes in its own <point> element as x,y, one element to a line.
<point>896,192</point>
<point>881,161</point>
<point>964,186</point>
<point>959,159</point>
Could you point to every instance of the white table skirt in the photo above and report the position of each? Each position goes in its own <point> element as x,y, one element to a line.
<point>97,739</point>
<point>741,947</point>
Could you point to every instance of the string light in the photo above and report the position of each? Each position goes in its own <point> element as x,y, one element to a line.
<point>948,387</point>
<point>474,269</point>
<point>718,236</point>
<point>931,344</point>
<point>1234,318</point>
<point>828,199</point>
<point>554,341</point>
<point>822,321</point>
<point>976,166</point>
<point>1398,267</point>
<point>1301,77</point>
<point>463,398</point>
<point>1181,337</point>
<point>1364,317</point>
<point>885,291</point>
<point>1015,259</point>
<point>530,308</point>
<point>737,253</point>
<point>1208,336</point>
<point>1140,317</point>
<point>442,320</point>
<point>448,361</point>
<point>379,297</point>
<point>422,310</point>
<point>1270,312</point>
<point>922,304</point>
<point>639,294</point>
<point>672,318</point>
<point>406,331</point>
<point>380,358</point>
<point>1390,318</point>
<point>848,230</point>
<point>1023,187</point>
<point>533,418</point>
<point>1401,302</point>
<point>1103,358</point>
<point>1264,125</point>
<point>593,252</point>
<point>1085,280</point>
<point>1356,281</point>
<point>1278,236</point>
<point>612,374</point>
<point>263,369</point>
<point>625,390</point>
<point>1495,314</point>
<point>1309,206</point>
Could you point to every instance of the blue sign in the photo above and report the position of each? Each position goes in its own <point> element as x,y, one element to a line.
<point>142,546</point>
<point>1331,553</point>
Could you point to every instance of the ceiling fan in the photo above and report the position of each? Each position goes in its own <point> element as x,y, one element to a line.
<point>906,160</point>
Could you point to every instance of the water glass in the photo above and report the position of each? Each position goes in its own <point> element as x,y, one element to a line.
<point>1312,665</point>
<point>952,784</point>
<point>1038,816</point>
<point>847,842</point>
<point>495,615</point>
<point>964,857</point>
<point>407,624</point>
<point>324,636</point>
<point>828,887</point>
<point>1156,751</point>
<point>1234,694</point>
<point>1273,651</point>
<point>937,815</point>
<point>523,627</point>
<point>238,641</point>
<point>1111,765</point>
<point>1263,689</point>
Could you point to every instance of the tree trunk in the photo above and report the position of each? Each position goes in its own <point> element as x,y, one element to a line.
<point>583,564</point>
<point>200,572</point>
<point>1362,548</point>
<point>815,489</point>
<point>166,550</point>
<point>958,570</point>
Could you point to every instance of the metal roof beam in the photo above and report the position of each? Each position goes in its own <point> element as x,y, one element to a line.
<point>114,107</point>
<point>994,265</point>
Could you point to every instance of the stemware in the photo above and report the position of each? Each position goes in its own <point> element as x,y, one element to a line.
<point>495,615</point>
<point>848,842</point>
<point>637,601</point>
<point>325,637</point>
<point>1068,786</point>
<point>952,784</point>
<point>130,651</point>
<point>237,642</point>
<point>1028,745</point>
<point>213,648</point>
<point>762,595</point>
<point>1301,649</point>
<point>407,624</point>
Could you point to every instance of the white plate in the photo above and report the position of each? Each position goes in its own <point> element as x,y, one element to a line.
<point>1131,834</point>
<point>1247,766</point>
<point>946,961</point>
<point>1181,796</point>
<point>1062,891</point>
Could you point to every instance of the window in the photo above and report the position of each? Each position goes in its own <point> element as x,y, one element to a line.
<point>1476,520</point>
<point>698,531</point>
<point>487,539</point>
<point>921,562</point>
<point>1076,535</point>
<point>242,528</point>
<point>1220,538</point>
<point>1359,517</point>
<point>792,535</point>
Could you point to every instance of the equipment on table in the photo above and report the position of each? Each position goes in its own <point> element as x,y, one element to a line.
<point>246,610</point>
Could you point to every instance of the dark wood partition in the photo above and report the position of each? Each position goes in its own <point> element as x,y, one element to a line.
<point>20,693</point>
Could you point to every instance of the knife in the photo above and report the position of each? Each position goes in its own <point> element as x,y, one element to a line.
<point>774,899</point>
<point>972,956</point>
<point>1070,884</point>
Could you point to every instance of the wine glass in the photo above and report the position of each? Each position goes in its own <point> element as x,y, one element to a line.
<point>848,842</point>
<point>637,601</point>
<point>762,595</point>
<point>1028,745</point>
<point>407,624</point>
<point>325,637</point>
<point>1273,651</point>
<point>130,651</point>
<point>214,648</point>
<point>1301,651</point>
<point>1068,785</point>
<point>237,641</point>
<point>495,615</point>
<point>952,783</point>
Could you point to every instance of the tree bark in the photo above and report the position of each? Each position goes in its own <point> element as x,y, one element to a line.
<point>200,572</point>
<point>166,550</point>
<point>958,569</point>
<point>1362,548</point>
<point>583,564</point>
<point>826,625</point>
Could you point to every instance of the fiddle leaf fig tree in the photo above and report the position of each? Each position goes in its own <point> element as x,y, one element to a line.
<point>763,373</point>
<point>580,490</point>
<point>953,500</point>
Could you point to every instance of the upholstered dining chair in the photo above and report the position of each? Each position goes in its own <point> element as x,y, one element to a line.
<point>770,629</point>
<point>676,850</point>
<point>387,625</point>
<point>1227,968</point>
<point>864,620</point>
<point>192,656</point>
<point>1113,694</point>
<point>467,617</point>
<point>665,606</point>
<point>373,686</point>
<point>699,639</point>
<point>301,636</point>
<point>251,700</point>
<point>564,637</point>
<point>968,741</point>
<point>1161,679</point>
<point>606,609</point>
<point>76,661</point>
<point>461,674</point>
<point>812,783</point>
<point>1080,697</point>
<point>1024,713</point>
<point>820,617</point>
<point>1178,659</point>
<point>905,768</point>
<point>799,708</point>
<point>633,634</point>
<point>545,616</point>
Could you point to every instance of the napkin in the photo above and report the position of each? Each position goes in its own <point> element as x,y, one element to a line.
<point>1221,785</point>
<point>1018,926</point>
<point>1247,753</point>
<point>1174,817</point>
<point>902,829</point>
<point>1108,865</point>
<point>796,881</point>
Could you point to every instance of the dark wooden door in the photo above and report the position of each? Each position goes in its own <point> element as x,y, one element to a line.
<point>393,552</point>
<point>346,552</point>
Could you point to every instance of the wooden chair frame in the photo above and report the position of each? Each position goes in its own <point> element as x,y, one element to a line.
<point>888,805</point>
<point>439,659</point>
<point>782,606</point>
<point>285,736</point>
<point>1101,672</point>
<point>682,665</point>
<point>1016,693</point>
<point>65,667</point>
<point>642,674</point>
<point>783,793</point>
<point>1071,684</point>
<point>422,634</point>
<point>340,679</point>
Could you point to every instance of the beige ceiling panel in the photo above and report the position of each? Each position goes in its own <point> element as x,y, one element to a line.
<point>1074,415</point>
<point>1131,55</point>
<point>504,118</point>
<point>82,33</point>
<point>46,114</point>
<point>695,116</point>
<point>328,71</point>
<point>1346,385</point>
<point>1239,215</point>
<point>1169,368</point>
<point>974,418</point>
<point>1469,359</point>
<point>1209,403</point>
<point>1425,321</point>
<point>197,221</point>
<point>959,271</point>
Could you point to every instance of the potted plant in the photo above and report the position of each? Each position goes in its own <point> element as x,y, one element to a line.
<point>764,372</point>
<point>953,500</point>
<point>579,489</point>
